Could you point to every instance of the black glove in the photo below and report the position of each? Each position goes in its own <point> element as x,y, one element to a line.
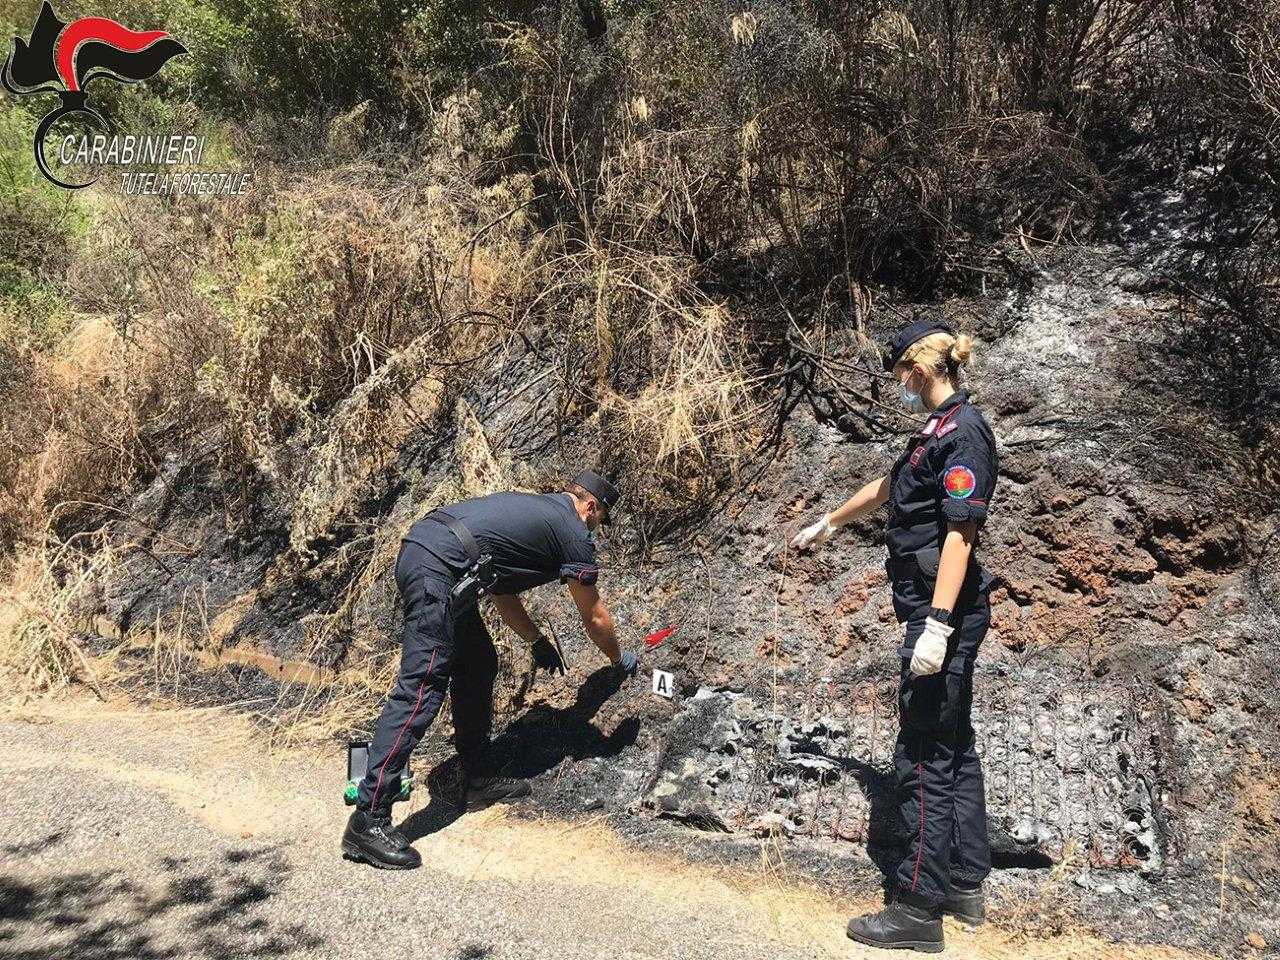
<point>629,663</point>
<point>546,656</point>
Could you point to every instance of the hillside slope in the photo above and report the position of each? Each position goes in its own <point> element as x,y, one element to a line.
<point>1125,701</point>
<point>488,243</point>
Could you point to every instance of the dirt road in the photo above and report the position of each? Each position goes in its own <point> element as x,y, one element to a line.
<point>148,835</point>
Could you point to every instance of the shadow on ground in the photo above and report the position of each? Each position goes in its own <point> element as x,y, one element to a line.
<point>885,840</point>
<point>536,742</point>
<point>887,836</point>
<point>182,910</point>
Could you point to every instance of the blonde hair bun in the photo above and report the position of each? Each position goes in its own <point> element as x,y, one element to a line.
<point>940,352</point>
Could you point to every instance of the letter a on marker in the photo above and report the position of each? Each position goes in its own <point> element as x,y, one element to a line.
<point>662,683</point>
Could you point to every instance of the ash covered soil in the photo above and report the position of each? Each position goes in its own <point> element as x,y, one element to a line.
<point>1126,697</point>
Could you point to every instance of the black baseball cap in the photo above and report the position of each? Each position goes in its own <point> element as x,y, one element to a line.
<point>598,487</point>
<point>908,335</point>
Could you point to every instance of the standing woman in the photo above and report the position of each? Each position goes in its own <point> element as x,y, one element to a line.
<point>938,493</point>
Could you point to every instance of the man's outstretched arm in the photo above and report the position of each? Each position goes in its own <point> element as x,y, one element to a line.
<point>596,619</point>
<point>514,615</point>
<point>546,655</point>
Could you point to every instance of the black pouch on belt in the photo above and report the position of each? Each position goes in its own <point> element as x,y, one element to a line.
<point>927,559</point>
<point>921,565</point>
<point>977,579</point>
<point>479,577</point>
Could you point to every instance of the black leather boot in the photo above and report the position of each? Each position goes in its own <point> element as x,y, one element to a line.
<point>371,839</point>
<point>966,905</point>
<point>486,791</point>
<point>900,926</point>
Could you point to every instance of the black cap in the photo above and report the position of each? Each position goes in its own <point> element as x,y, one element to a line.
<point>598,487</point>
<point>908,335</point>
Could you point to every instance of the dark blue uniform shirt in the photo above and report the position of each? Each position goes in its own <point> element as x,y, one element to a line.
<point>533,539</point>
<point>947,474</point>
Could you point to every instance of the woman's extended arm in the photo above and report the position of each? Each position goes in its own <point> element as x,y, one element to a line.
<point>870,496</point>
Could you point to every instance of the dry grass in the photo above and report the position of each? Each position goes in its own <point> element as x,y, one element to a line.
<point>696,400</point>
<point>324,712</point>
<point>293,347</point>
<point>42,625</point>
<point>322,328</point>
<point>335,319</point>
<point>79,415</point>
<point>658,374</point>
<point>40,651</point>
<point>887,142</point>
<point>602,208</point>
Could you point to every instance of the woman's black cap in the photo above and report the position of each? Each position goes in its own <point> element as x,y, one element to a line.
<point>908,335</point>
<point>598,487</point>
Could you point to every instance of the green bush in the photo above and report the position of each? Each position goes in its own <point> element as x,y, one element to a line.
<point>41,229</point>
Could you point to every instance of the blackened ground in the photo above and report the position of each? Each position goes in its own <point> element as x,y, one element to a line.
<point>1126,696</point>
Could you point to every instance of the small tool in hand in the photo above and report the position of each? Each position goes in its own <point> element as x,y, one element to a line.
<point>548,654</point>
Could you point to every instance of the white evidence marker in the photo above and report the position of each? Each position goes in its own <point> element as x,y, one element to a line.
<point>663,684</point>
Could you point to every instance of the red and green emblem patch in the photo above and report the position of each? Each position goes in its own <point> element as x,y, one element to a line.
<point>959,482</point>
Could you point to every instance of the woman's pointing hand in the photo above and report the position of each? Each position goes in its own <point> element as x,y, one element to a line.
<point>815,533</point>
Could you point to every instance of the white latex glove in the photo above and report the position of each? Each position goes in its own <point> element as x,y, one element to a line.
<point>931,648</point>
<point>815,533</point>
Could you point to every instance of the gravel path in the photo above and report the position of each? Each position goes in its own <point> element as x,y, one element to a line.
<point>146,835</point>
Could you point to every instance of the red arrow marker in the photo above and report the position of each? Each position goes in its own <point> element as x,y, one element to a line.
<point>655,639</point>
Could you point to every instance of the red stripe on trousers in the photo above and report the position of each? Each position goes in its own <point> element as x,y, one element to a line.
<point>421,687</point>
<point>915,878</point>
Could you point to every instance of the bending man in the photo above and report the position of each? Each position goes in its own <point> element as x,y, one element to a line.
<point>507,543</point>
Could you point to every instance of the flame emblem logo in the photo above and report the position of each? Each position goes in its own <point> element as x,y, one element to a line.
<point>64,58</point>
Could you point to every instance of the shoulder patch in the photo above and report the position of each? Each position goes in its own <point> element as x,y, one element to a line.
<point>947,428</point>
<point>959,482</point>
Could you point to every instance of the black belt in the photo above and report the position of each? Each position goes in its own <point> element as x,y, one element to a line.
<point>923,562</point>
<point>909,568</point>
<point>459,530</point>
<point>479,578</point>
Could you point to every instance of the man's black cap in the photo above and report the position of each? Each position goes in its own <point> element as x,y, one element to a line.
<point>908,335</point>
<point>598,487</point>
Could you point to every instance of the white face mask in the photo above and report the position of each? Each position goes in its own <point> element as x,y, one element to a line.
<point>912,401</point>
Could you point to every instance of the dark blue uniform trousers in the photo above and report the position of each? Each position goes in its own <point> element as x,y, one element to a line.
<point>939,774</point>
<point>442,650</point>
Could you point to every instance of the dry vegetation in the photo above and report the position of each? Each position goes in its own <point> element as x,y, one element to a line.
<point>624,190</point>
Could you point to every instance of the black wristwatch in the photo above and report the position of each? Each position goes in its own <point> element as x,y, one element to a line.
<point>942,616</point>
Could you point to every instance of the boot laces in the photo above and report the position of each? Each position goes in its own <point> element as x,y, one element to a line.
<point>381,828</point>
